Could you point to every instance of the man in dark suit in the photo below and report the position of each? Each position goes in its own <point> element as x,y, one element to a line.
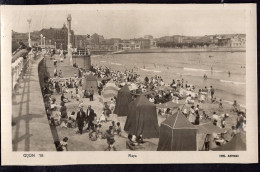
<point>91,95</point>
<point>81,117</point>
<point>90,116</point>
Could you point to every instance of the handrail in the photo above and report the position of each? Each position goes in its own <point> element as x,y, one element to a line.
<point>19,68</point>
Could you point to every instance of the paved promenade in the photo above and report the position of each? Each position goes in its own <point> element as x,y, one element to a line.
<point>31,131</point>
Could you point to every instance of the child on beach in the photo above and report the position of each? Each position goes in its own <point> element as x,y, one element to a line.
<point>185,113</point>
<point>100,133</point>
<point>64,144</point>
<point>204,115</point>
<point>81,105</point>
<point>235,106</point>
<point>215,118</point>
<point>189,100</point>
<point>114,127</point>
<point>93,134</point>
<point>118,129</point>
<point>103,118</point>
<point>110,139</point>
<point>129,143</point>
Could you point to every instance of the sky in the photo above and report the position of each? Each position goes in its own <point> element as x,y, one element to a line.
<point>132,22</point>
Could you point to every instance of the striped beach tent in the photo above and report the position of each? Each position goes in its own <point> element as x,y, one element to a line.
<point>110,90</point>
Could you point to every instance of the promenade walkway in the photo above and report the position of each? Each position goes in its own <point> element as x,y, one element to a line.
<point>67,69</point>
<point>31,131</point>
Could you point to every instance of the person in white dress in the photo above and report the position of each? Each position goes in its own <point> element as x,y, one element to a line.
<point>191,117</point>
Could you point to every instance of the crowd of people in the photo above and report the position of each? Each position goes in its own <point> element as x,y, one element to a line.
<point>180,90</point>
<point>157,92</point>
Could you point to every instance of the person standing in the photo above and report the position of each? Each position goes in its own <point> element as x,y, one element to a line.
<point>55,62</point>
<point>110,139</point>
<point>55,72</point>
<point>91,95</point>
<point>240,121</point>
<point>81,116</point>
<point>212,91</point>
<point>90,116</point>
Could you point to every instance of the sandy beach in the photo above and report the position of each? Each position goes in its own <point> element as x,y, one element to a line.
<point>82,142</point>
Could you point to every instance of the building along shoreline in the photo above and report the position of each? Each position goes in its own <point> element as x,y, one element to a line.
<point>181,50</point>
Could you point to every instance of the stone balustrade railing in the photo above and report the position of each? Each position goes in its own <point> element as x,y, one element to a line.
<point>19,68</point>
<point>81,52</point>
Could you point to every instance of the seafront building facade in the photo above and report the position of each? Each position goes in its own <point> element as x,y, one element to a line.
<point>207,41</point>
<point>54,37</point>
<point>58,37</point>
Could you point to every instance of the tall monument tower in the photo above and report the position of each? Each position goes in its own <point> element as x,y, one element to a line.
<point>69,38</point>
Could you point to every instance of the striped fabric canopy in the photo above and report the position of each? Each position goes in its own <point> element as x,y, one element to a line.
<point>109,92</point>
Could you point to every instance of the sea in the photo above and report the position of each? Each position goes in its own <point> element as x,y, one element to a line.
<point>191,66</point>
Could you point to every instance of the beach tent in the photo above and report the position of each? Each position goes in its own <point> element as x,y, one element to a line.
<point>207,128</point>
<point>177,134</point>
<point>235,144</point>
<point>124,97</point>
<point>90,83</point>
<point>131,107</point>
<point>108,95</point>
<point>142,118</point>
<point>110,91</point>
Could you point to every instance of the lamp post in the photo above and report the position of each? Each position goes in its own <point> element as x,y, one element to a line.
<point>44,42</point>
<point>55,45</point>
<point>29,39</point>
<point>41,40</point>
